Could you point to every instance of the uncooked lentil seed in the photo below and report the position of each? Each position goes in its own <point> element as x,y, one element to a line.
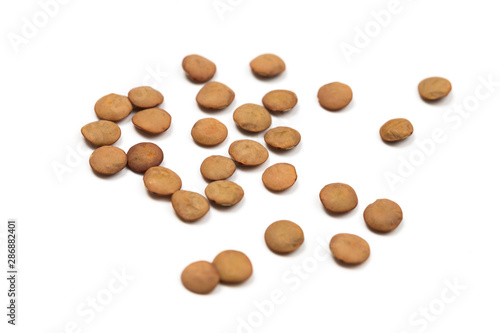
<point>101,132</point>
<point>143,156</point>
<point>233,266</point>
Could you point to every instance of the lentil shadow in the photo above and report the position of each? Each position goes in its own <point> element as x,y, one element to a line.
<point>341,215</point>
<point>349,266</point>
<point>211,181</point>
<point>346,108</point>
<point>190,79</point>
<point>277,151</point>
<point>201,220</point>
<point>221,208</point>
<point>444,101</point>
<point>279,114</point>
<point>279,77</point>
<point>295,253</point>
<point>236,284</point>
<point>117,175</point>
<point>401,143</point>
<point>158,197</point>
<point>250,134</point>
<point>152,136</point>
<point>212,112</point>
<point>391,233</point>
<point>251,167</point>
<point>289,190</point>
<point>205,146</point>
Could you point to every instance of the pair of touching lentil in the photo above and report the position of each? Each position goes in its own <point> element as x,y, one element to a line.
<point>281,236</point>
<point>229,267</point>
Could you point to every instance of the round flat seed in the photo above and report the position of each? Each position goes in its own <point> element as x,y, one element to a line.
<point>153,121</point>
<point>338,197</point>
<point>252,117</point>
<point>209,132</point>
<point>113,107</point>
<point>280,100</point>
<point>282,137</point>
<point>190,206</point>
<point>101,132</point>
<point>248,152</point>
<point>334,96</point>
<point>198,68</point>
<point>268,65</point>
<point>396,130</point>
<point>284,236</point>
<point>350,249</point>
<point>233,266</point>
<point>215,95</point>
<point>279,177</point>
<point>434,88</point>
<point>143,156</point>
<point>383,215</point>
<point>217,167</point>
<point>200,277</point>
<point>145,97</point>
<point>108,160</point>
<point>162,181</point>
<point>224,192</point>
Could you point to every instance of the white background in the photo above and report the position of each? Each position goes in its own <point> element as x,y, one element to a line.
<point>75,231</point>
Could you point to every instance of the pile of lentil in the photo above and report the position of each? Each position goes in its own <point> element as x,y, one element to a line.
<point>281,237</point>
